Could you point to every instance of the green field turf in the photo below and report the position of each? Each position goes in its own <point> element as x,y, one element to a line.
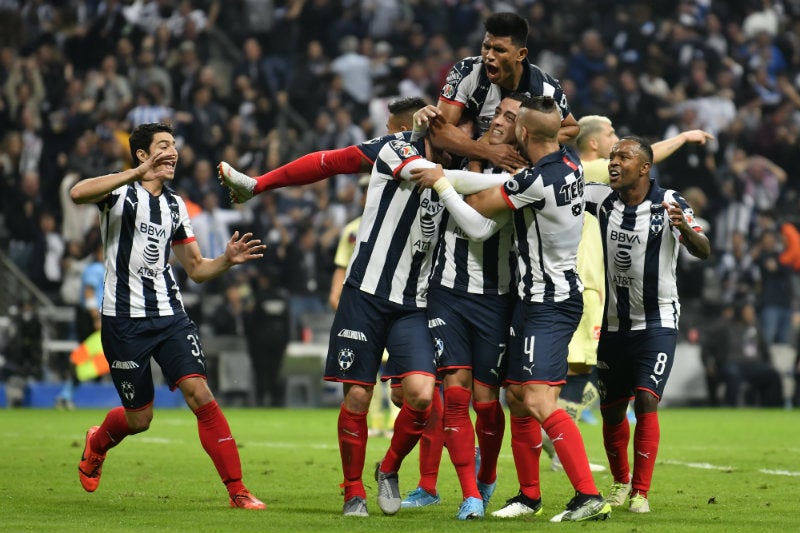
<point>718,471</point>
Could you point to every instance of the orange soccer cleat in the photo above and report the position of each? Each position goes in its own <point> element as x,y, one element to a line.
<point>91,465</point>
<point>244,500</point>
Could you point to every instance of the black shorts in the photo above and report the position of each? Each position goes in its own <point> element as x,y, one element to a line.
<point>363,326</point>
<point>539,340</point>
<point>471,331</point>
<point>634,360</point>
<point>129,343</point>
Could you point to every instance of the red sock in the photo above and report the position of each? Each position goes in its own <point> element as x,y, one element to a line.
<point>490,425</point>
<point>311,168</point>
<point>431,443</point>
<point>459,436</point>
<point>645,448</point>
<point>353,450</point>
<point>568,443</point>
<point>408,427</point>
<point>615,441</point>
<point>526,446</point>
<point>113,429</point>
<point>217,441</point>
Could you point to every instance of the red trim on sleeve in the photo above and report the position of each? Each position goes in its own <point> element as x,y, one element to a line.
<point>569,163</point>
<point>507,199</point>
<point>454,102</point>
<point>396,172</point>
<point>184,241</point>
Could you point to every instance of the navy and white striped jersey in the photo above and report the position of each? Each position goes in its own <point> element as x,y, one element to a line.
<point>465,265</point>
<point>398,231</point>
<point>370,148</point>
<point>138,229</point>
<point>641,254</point>
<point>547,200</point>
<point>467,86</point>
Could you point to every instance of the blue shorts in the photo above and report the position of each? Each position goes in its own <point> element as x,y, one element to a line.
<point>471,331</point>
<point>634,360</point>
<point>363,326</point>
<point>539,340</point>
<point>129,343</point>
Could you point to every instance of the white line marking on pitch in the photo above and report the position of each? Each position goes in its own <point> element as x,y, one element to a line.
<point>709,466</point>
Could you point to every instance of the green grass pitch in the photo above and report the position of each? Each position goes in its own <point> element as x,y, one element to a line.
<point>718,471</point>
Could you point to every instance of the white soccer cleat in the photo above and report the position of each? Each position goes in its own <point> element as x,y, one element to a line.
<point>240,186</point>
<point>618,494</point>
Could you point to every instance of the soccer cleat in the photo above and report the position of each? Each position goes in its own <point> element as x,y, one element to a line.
<point>240,186</point>
<point>471,509</point>
<point>91,466</point>
<point>618,493</point>
<point>519,505</point>
<point>639,504</point>
<point>486,490</point>
<point>244,500</point>
<point>355,506</point>
<point>584,507</point>
<point>556,466</point>
<point>388,491</point>
<point>420,497</point>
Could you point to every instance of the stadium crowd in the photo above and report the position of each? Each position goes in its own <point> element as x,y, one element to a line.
<point>258,83</point>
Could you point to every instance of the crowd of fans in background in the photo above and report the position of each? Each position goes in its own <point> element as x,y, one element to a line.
<point>259,82</point>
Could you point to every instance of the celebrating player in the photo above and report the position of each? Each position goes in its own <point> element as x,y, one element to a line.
<point>643,227</point>
<point>142,312</point>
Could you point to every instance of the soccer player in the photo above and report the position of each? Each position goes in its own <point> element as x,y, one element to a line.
<point>643,227</point>
<point>475,85</point>
<point>547,203</point>
<point>594,142</point>
<point>317,166</point>
<point>142,311</point>
<point>469,311</point>
<point>383,305</point>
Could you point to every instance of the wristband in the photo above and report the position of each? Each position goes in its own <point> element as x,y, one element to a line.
<point>441,185</point>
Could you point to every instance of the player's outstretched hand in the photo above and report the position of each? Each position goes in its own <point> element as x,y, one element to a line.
<point>423,117</point>
<point>426,177</point>
<point>697,136</point>
<point>160,165</point>
<point>242,249</point>
<point>506,157</point>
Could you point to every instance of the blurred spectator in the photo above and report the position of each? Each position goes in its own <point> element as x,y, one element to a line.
<point>304,277</point>
<point>44,267</point>
<point>776,290</point>
<point>737,274</point>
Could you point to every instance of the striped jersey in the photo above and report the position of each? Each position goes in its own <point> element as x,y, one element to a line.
<point>641,254</point>
<point>398,230</point>
<point>467,86</point>
<point>465,265</point>
<point>370,148</point>
<point>547,200</point>
<point>138,229</point>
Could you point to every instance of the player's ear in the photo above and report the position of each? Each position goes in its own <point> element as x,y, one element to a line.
<point>522,53</point>
<point>141,155</point>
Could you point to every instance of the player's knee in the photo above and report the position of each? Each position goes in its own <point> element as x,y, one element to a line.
<point>139,422</point>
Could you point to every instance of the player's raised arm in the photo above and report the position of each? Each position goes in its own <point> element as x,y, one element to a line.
<point>238,250</point>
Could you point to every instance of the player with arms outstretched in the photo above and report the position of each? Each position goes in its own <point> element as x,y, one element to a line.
<point>142,312</point>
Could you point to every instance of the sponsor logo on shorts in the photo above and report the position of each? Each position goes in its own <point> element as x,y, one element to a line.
<point>124,365</point>
<point>435,322</point>
<point>352,334</point>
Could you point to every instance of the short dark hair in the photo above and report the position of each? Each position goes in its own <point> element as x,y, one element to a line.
<point>142,136</point>
<point>644,146</point>
<point>404,105</point>
<point>543,104</point>
<point>508,24</point>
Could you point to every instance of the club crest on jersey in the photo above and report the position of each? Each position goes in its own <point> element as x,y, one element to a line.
<point>656,222</point>
<point>346,358</point>
<point>403,149</point>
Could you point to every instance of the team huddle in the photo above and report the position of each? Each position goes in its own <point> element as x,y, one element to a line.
<point>488,257</point>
